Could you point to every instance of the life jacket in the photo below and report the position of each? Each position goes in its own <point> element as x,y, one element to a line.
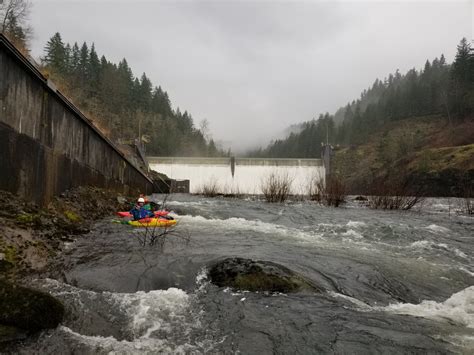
<point>139,213</point>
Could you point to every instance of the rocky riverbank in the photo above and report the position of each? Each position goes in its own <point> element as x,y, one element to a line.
<point>31,242</point>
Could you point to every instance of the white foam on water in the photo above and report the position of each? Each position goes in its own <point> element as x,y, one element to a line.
<point>442,206</point>
<point>360,305</point>
<point>459,308</point>
<point>322,234</point>
<point>329,225</point>
<point>202,279</point>
<point>356,224</point>
<point>437,229</point>
<point>113,345</point>
<point>421,244</point>
<point>460,254</point>
<point>469,272</point>
<point>241,224</point>
<point>427,244</point>
<point>153,310</point>
<point>466,342</point>
<point>193,203</point>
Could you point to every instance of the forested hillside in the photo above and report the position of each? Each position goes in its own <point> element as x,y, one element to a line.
<point>437,89</point>
<point>122,105</point>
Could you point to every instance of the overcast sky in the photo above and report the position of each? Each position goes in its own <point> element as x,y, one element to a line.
<point>252,68</point>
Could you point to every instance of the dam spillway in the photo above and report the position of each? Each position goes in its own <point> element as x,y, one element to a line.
<point>239,175</point>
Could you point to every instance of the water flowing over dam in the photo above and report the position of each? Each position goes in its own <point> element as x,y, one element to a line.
<point>239,175</point>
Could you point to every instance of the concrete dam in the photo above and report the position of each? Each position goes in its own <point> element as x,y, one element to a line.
<point>46,144</point>
<point>239,175</point>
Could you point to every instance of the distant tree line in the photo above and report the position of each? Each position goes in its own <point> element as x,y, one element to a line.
<point>439,88</point>
<point>125,107</point>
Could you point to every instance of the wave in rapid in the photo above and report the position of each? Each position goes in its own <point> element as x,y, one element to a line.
<point>426,244</point>
<point>159,320</point>
<point>241,224</point>
<point>459,308</point>
<point>327,234</point>
<point>111,345</point>
<point>437,229</point>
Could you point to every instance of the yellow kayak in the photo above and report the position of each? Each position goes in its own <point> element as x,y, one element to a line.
<point>153,222</point>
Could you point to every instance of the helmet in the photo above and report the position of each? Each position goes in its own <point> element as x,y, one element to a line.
<point>141,199</point>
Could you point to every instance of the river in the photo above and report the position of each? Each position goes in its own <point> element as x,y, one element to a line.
<point>395,282</point>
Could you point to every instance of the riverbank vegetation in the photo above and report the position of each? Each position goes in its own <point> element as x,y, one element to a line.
<point>420,122</point>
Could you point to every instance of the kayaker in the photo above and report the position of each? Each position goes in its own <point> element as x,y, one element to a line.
<point>139,212</point>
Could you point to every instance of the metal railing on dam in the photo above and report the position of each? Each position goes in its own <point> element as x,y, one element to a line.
<point>46,144</point>
<point>242,175</point>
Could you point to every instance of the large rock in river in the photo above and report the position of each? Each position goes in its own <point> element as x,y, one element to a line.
<point>28,309</point>
<point>247,274</point>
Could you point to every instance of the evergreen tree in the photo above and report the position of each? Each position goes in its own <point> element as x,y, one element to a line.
<point>68,59</point>
<point>55,54</point>
<point>461,74</point>
<point>83,65</point>
<point>75,57</point>
<point>145,93</point>
<point>94,71</point>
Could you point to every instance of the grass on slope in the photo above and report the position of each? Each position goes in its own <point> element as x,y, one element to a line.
<point>426,144</point>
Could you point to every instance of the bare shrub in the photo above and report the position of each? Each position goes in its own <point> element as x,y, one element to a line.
<point>393,195</point>
<point>331,193</point>
<point>210,188</point>
<point>276,187</point>
<point>468,198</point>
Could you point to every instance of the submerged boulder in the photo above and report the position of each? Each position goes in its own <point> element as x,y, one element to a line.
<point>28,309</point>
<point>250,275</point>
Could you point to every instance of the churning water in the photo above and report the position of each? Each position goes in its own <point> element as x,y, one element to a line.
<point>395,282</point>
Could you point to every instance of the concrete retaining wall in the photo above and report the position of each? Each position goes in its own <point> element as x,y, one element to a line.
<point>47,145</point>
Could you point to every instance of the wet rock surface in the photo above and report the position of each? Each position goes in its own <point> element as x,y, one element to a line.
<point>28,309</point>
<point>250,275</point>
